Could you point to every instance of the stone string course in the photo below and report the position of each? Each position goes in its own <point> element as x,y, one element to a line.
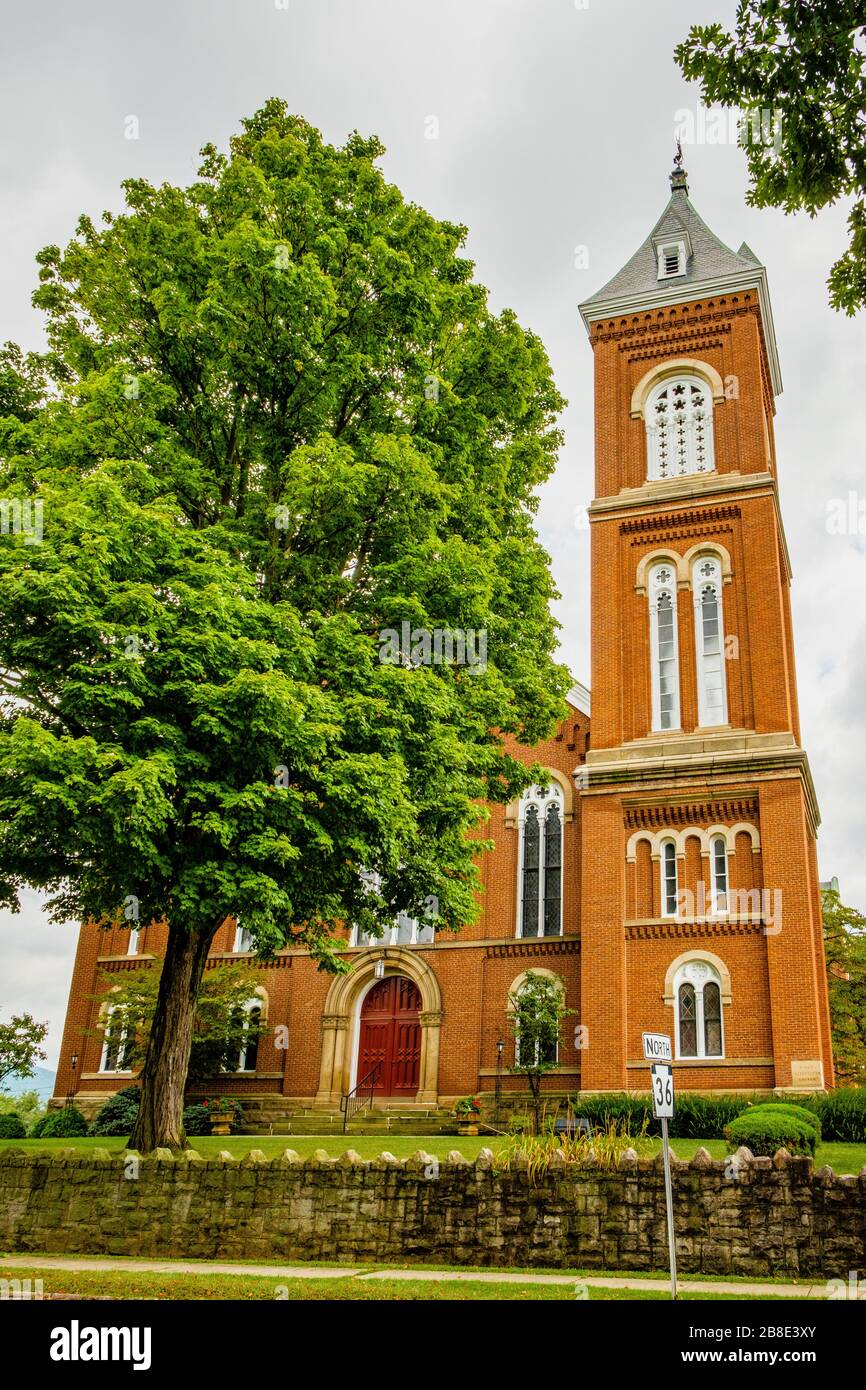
<point>770,1217</point>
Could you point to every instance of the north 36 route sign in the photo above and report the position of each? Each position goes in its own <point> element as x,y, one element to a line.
<point>663,1090</point>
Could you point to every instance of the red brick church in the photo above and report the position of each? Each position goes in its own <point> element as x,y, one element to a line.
<point>667,874</point>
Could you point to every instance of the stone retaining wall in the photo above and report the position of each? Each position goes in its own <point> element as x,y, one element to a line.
<point>745,1216</point>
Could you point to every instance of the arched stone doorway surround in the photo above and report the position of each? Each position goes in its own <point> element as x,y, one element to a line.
<point>341,1023</point>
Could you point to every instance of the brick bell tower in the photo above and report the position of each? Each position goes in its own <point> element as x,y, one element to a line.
<point>700,905</point>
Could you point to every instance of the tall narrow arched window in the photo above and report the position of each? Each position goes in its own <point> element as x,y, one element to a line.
<point>718,874</point>
<point>670,886</point>
<point>249,1050</point>
<point>709,641</point>
<point>540,896</point>
<point>664,647</point>
<point>679,428</point>
<point>116,1043</point>
<point>698,995</point>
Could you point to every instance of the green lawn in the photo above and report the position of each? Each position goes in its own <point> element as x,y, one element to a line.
<point>132,1284</point>
<point>842,1158</point>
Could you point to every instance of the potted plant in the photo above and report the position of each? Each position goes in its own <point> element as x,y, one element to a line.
<point>467,1112</point>
<point>221,1113</point>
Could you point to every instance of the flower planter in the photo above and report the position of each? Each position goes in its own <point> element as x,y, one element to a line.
<point>220,1124</point>
<point>468,1125</point>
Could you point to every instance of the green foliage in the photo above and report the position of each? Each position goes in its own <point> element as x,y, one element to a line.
<point>805,63</point>
<point>535,1020</point>
<point>843,1115</point>
<point>197,1117</point>
<point>281,419</point>
<point>222,1025</point>
<point>695,1116</point>
<point>21,1045</point>
<point>845,952</point>
<point>800,1112</point>
<point>118,1114</point>
<point>29,1105</point>
<point>12,1126</point>
<point>37,1131</point>
<point>765,1130</point>
<point>604,1149</point>
<point>68,1123</point>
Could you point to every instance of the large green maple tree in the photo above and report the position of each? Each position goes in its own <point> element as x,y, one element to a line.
<point>797,69</point>
<point>277,418</point>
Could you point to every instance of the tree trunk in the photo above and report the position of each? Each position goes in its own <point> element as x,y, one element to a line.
<point>163,1077</point>
<point>535,1089</point>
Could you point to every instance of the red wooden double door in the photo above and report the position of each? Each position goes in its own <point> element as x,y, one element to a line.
<point>391,1036</point>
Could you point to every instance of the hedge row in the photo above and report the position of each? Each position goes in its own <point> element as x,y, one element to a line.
<point>841,1115</point>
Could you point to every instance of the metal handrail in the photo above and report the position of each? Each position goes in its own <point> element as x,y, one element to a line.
<point>358,1098</point>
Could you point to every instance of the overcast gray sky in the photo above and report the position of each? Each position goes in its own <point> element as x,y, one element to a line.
<point>554,124</point>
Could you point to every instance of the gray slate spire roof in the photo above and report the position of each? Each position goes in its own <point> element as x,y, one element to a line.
<point>710,259</point>
<point>711,266</point>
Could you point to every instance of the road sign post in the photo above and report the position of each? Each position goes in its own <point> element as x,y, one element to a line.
<point>657,1049</point>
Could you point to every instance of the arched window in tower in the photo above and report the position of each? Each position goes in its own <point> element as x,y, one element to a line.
<point>679,428</point>
<point>698,995</point>
<point>541,862</point>
<point>718,874</point>
<point>709,641</point>
<point>664,653</point>
<point>670,883</point>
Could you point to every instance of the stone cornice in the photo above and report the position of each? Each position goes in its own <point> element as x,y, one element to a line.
<point>665,760</point>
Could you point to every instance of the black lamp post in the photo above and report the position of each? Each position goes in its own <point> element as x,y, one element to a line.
<point>499,1047</point>
<point>70,1094</point>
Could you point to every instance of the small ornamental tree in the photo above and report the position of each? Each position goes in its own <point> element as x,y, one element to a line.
<point>536,1020</point>
<point>845,952</point>
<point>277,422</point>
<point>795,68</point>
<point>223,1027</point>
<point>21,1046</point>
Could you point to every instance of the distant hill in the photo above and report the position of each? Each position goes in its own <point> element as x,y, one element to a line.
<point>42,1081</point>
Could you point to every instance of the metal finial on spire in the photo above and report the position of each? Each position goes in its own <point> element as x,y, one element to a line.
<point>679,177</point>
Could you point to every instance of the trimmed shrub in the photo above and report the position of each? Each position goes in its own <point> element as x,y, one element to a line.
<point>39,1128</point>
<point>705,1117</point>
<point>695,1116</point>
<point>12,1126</point>
<point>118,1114</point>
<point>842,1114</point>
<point>196,1120</point>
<point>68,1123</point>
<point>765,1133</point>
<point>771,1107</point>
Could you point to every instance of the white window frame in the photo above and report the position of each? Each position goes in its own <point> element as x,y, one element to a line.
<point>719,870</point>
<point>243,942</point>
<point>404,931</point>
<point>541,798</point>
<point>663,584</point>
<point>108,1044</point>
<point>658,429</point>
<point>255,1003</point>
<point>698,974</point>
<point>664,860</point>
<point>707,575</point>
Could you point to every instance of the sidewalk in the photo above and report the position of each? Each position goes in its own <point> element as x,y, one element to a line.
<point>817,1289</point>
